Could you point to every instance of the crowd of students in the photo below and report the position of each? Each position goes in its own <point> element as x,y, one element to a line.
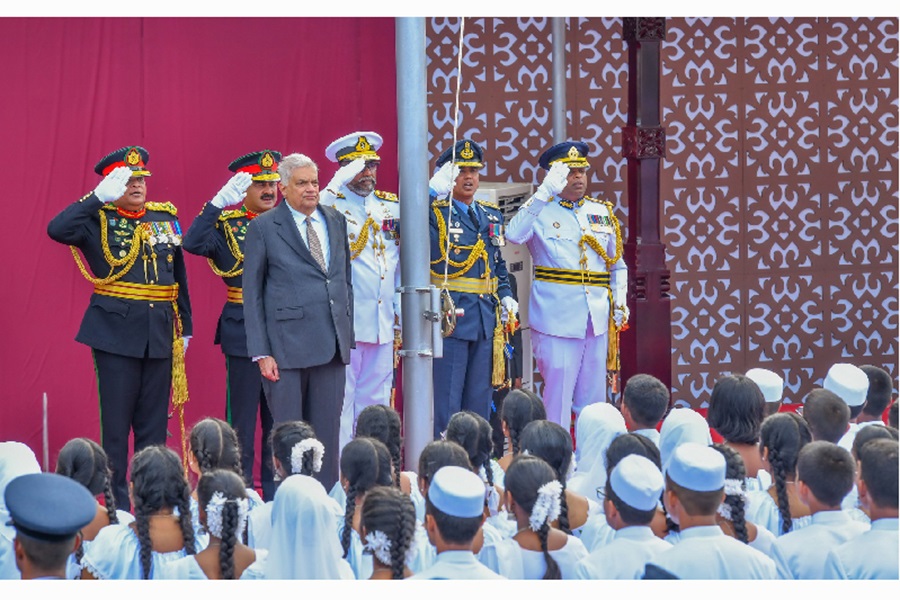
<point>646,494</point>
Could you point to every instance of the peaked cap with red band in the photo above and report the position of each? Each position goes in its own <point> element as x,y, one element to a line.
<point>262,165</point>
<point>133,157</point>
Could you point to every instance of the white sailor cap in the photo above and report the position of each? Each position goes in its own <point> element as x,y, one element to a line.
<point>769,382</point>
<point>457,492</point>
<point>359,144</point>
<point>849,382</point>
<point>637,482</point>
<point>697,467</point>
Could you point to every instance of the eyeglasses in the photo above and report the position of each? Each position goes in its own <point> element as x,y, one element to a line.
<point>370,164</point>
<point>601,494</point>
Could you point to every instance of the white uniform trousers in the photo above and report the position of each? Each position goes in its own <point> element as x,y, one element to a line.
<point>369,378</point>
<point>574,372</point>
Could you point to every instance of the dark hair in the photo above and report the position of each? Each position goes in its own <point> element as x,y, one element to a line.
<point>737,504</point>
<point>631,443</point>
<point>524,477</point>
<point>736,409</point>
<point>382,423</point>
<point>46,555</point>
<point>868,433</point>
<point>878,469</point>
<point>647,399</point>
<point>551,442</point>
<point>158,482</point>
<point>284,437</point>
<point>828,470</point>
<point>365,463</point>
<point>231,486</point>
<point>473,432</point>
<point>456,530</point>
<point>696,503</point>
<point>392,512</point>
<point>520,407</point>
<point>783,435</point>
<point>441,453</point>
<point>826,414</point>
<point>880,389</point>
<point>892,415</point>
<point>215,446</point>
<point>629,514</point>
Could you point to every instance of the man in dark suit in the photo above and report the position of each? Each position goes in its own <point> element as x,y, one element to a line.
<point>139,319</point>
<point>219,233</point>
<point>298,306</point>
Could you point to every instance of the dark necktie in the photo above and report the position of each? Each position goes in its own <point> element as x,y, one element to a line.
<point>315,246</point>
<point>474,216</point>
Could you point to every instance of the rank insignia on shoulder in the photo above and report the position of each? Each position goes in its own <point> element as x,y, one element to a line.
<point>386,196</point>
<point>488,204</point>
<point>441,203</point>
<point>162,207</point>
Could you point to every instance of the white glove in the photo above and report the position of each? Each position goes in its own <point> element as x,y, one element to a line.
<point>620,315</point>
<point>234,191</point>
<point>554,182</point>
<point>186,340</point>
<point>113,185</point>
<point>510,307</point>
<point>345,174</point>
<point>441,183</point>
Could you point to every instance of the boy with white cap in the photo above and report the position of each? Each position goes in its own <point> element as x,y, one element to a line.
<point>851,384</point>
<point>824,477</point>
<point>771,384</point>
<point>454,512</point>
<point>632,494</point>
<point>373,231</point>
<point>695,484</point>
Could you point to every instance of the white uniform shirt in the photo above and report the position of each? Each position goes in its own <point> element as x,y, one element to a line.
<point>456,564</point>
<point>801,554</point>
<point>762,510</point>
<point>552,234</point>
<point>376,272</point>
<point>512,561</point>
<point>624,557</point>
<point>870,555</point>
<point>705,552</point>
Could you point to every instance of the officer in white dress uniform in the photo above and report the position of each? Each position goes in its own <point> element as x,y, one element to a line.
<point>373,229</point>
<point>851,384</point>
<point>580,281</point>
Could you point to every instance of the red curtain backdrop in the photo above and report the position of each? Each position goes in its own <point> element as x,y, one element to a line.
<point>197,93</point>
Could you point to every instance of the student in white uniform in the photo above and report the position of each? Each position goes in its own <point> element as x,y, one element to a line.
<point>160,495</point>
<point>537,550</point>
<point>771,384</point>
<point>736,411</point>
<point>779,508</point>
<point>223,513</point>
<point>598,425</point>
<point>630,504</point>
<point>866,434</point>
<point>682,425</point>
<point>549,441</point>
<point>365,463</point>
<point>454,512</point>
<point>304,544</point>
<point>295,451</point>
<point>873,554</point>
<point>645,400</point>
<point>520,407</point>
<point>825,474</point>
<point>878,397</point>
<point>731,515</point>
<point>851,384</point>
<point>387,526</point>
<point>695,483</point>
<point>16,459</point>
<point>827,415</point>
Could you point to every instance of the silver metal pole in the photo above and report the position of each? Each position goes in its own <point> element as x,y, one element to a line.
<point>558,78</point>
<point>415,280</point>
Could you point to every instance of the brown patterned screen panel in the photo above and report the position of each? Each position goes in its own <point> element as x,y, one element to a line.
<point>779,188</point>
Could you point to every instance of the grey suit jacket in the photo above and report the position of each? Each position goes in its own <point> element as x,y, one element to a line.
<point>294,311</point>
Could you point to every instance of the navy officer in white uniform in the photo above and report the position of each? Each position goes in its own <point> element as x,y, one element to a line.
<point>373,231</point>
<point>580,280</point>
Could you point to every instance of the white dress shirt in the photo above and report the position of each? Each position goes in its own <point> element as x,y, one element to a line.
<point>624,557</point>
<point>801,554</point>
<point>318,224</point>
<point>705,552</point>
<point>870,555</point>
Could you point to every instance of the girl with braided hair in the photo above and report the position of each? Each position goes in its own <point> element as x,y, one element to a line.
<point>295,451</point>
<point>388,526</point>
<point>161,531</point>
<point>731,516</point>
<point>365,463</point>
<point>779,508</point>
<point>520,407</point>
<point>537,550</point>
<point>223,513</point>
<point>549,441</point>
<point>85,461</point>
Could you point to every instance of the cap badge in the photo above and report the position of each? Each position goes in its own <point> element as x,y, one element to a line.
<point>363,144</point>
<point>133,157</point>
<point>573,153</point>
<point>266,161</point>
<point>467,153</point>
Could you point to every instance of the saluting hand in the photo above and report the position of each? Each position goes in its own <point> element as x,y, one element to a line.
<point>113,185</point>
<point>554,182</point>
<point>234,191</point>
<point>345,174</point>
<point>441,184</point>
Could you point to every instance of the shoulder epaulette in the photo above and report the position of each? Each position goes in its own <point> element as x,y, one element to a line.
<point>231,214</point>
<point>162,207</point>
<point>599,201</point>
<point>441,203</point>
<point>493,205</point>
<point>387,196</point>
<point>107,206</point>
<point>85,197</point>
